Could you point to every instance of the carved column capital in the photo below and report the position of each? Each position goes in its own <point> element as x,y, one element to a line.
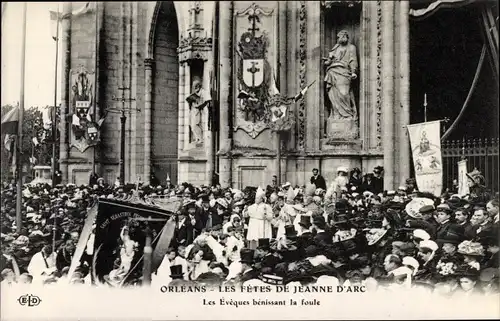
<point>149,63</point>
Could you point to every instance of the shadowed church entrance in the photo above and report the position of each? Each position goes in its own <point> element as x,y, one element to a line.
<point>164,117</point>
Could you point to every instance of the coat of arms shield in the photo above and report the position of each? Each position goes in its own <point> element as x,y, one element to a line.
<point>253,72</point>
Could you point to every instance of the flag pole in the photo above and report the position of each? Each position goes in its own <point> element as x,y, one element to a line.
<point>54,114</point>
<point>94,105</point>
<point>19,145</point>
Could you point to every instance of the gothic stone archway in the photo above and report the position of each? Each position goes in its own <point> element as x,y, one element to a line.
<point>164,107</point>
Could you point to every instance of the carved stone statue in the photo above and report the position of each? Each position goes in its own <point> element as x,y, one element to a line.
<point>198,99</point>
<point>341,69</point>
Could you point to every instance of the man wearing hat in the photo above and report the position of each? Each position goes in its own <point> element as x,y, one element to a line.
<point>426,220</point>
<point>378,180</point>
<point>317,179</point>
<point>323,237</point>
<point>267,258</point>
<point>443,218</point>
<point>184,230</point>
<point>247,270</point>
<point>177,276</point>
<point>208,215</point>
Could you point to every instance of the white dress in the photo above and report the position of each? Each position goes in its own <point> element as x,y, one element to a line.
<point>259,224</point>
<point>286,217</point>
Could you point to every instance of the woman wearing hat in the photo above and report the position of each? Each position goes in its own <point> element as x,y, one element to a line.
<point>467,279</point>
<point>355,180</point>
<point>472,252</point>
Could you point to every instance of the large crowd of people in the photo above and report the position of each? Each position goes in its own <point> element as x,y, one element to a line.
<point>348,232</point>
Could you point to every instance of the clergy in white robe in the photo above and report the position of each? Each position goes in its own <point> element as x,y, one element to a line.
<point>42,264</point>
<point>260,214</point>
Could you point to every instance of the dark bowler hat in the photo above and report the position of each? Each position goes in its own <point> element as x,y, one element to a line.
<point>305,221</point>
<point>290,232</point>
<point>465,271</point>
<point>264,243</point>
<point>319,221</point>
<point>426,209</point>
<point>341,205</point>
<point>176,272</point>
<point>246,256</point>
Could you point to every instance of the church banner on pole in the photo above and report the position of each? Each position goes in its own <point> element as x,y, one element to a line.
<point>425,143</point>
<point>463,180</point>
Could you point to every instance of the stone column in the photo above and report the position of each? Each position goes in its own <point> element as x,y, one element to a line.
<point>404,91</point>
<point>148,100</point>
<point>208,141</point>
<point>187,91</point>
<point>388,92</point>
<point>181,108</point>
<point>65,82</point>
<point>372,112</point>
<point>282,67</point>
<point>313,65</point>
<point>226,97</point>
<point>291,50</point>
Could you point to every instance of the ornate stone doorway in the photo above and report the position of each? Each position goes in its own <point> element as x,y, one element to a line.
<point>165,94</point>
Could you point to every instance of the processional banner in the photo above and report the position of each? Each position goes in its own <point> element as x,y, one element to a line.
<point>425,143</point>
<point>463,179</point>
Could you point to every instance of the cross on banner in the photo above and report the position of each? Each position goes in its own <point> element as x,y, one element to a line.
<point>253,70</point>
<point>254,19</point>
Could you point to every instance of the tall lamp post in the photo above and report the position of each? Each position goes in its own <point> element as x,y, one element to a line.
<point>54,114</point>
<point>123,119</point>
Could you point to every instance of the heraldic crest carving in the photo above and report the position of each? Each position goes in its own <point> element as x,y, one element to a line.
<point>84,125</point>
<point>254,75</point>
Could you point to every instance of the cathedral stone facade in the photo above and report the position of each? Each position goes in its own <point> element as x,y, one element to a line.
<point>150,56</point>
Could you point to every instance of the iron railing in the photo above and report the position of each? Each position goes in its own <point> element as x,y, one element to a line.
<point>479,153</point>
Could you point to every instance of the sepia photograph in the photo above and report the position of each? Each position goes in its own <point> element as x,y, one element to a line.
<point>211,160</point>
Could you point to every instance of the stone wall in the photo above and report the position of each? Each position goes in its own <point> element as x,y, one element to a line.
<point>157,136</point>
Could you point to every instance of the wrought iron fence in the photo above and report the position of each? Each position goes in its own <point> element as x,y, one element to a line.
<point>479,153</point>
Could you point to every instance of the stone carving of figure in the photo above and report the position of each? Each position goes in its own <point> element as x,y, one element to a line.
<point>341,67</point>
<point>198,99</point>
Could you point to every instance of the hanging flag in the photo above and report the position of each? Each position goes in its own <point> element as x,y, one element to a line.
<point>35,141</point>
<point>9,142</point>
<point>75,120</point>
<point>463,180</point>
<point>10,121</point>
<point>425,140</point>
<point>47,118</point>
<point>55,22</point>
<point>92,134</point>
<point>302,93</point>
<point>100,122</point>
<point>87,7</point>
<point>277,102</point>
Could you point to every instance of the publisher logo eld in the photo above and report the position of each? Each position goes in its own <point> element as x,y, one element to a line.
<point>29,300</point>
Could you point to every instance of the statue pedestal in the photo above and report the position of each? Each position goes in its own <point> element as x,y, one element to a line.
<point>342,129</point>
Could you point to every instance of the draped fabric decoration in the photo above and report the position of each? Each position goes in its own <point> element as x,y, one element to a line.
<point>420,14</point>
<point>490,28</point>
